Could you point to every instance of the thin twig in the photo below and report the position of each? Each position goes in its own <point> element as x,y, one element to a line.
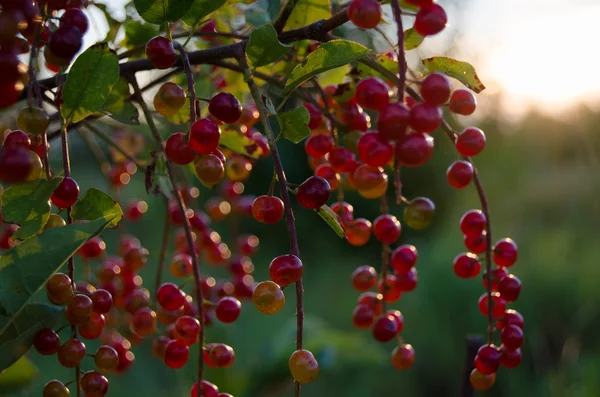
<point>100,134</point>
<point>397,11</point>
<point>163,247</point>
<point>190,81</point>
<point>284,15</point>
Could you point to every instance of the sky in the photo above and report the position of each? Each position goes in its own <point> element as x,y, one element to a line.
<point>531,54</point>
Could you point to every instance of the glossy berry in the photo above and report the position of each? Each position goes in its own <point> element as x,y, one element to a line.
<point>268,297</point>
<point>389,288</point>
<point>418,213</point>
<point>498,273</point>
<point>285,269</point>
<point>204,136</point>
<point>15,165</point>
<point>317,146</point>
<point>481,382</point>
<point>475,243</point>
<point>59,288</point>
<point>358,232</point>
<point>75,17</point>
<point>225,107</point>
<point>407,281</point>
<point>221,355</point>
<point>512,337</point>
<point>228,309</point>
<point>176,354</point>
<point>509,288</point>
<point>430,20</point>
<point>208,390</point>
<point>470,142</point>
<point>472,223</point>
<point>169,99</point>
<point>505,252</point>
<point>403,356</point>
<point>313,192</point>
<point>373,300</point>
<point>374,150</point>
<point>178,149</point>
<point>65,42</point>
<point>66,193</point>
<point>71,353</point>
<point>55,388</point>
<point>370,182</point>
<point>364,278</point>
<point>413,150</point>
<point>93,327</point>
<point>106,359</point>
<point>363,317</point>
<point>341,159</point>
<point>181,265</point>
<point>385,328</point>
<point>365,14</point>
<point>144,321</point>
<point>393,121</point>
<point>462,102</point>
<point>510,358</point>
<point>170,296</point>
<point>425,117</point>
<point>93,248</point>
<point>46,341</point>
<point>16,139</point>
<point>101,301</point>
<point>316,117</point>
<point>460,174</point>
<point>79,309</point>
<point>487,360</point>
<point>267,209</point>
<point>344,210</point>
<point>210,169</point>
<point>187,329</point>
<point>161,53</point>
<point>404,258</point>
<point>467,265</point>
<point>435,89</point>
<point>94,384</point>
<point>327,172</point>
<point>303,366</point>
<point>498,305</point>
<point>511,317</point>
<point>372,93</point>
<point>386,228</point>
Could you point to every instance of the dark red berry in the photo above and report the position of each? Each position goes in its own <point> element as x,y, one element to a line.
<point>15,165</point>
<point>16,139</point>
<point>498,305</point>
<point>470,142</point>
<point>66,193</point>
<point>386,228</point>
<point>413,150</point>
<point>317,146</point>
<point>467,265</point>
<point>425,117</point>
<point>365,14</point>
<point>75,17</point>
<point>176,354</point>
<point>510,358</point>
<point>512,337</point>
<point>204,136</point>
<point>385,328</point>
<point>472,223</point>
<point>316,117</point>
<point>374,150</point>
<point>313,192</point>
<point>498,273</point>
<point>342,159</point>
<point>285,269</point>
<point>393,121</point>
<point>372,93</point>
<point>364,278</point>
<point>46,341</point>
<point>170,296</point>
<point>460,174</point>
<point>101,301</point>
<point>65,42</point>
<point>505,252</point>
<point>404,258</point>
<point>435,89</point>
<point>161,53</point>
<point>94,384</point>
<point>179,150</point>
<point>363,317</point>
<point>430,20</point>
<point>462,102</point>
<point>407,281</point>
<point>228,309</point>
<point>511,317</point>
<point>509,288</point>
<point>267,209</point>
<point>487,360</point>
<point>225,107</point>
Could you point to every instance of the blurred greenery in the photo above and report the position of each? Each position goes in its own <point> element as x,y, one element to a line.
<point>542,181</point>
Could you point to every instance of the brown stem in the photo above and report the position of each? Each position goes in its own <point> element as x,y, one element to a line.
<point>186,222</point>
<point>97,132</point>
<point>397,11</point>
<point>285,196</point>
<point>163,247</point>
<point>327,110</point>
<point>286,11</point>
<point>397,182</point>
<point>474,342</point>
<point>190,81</point>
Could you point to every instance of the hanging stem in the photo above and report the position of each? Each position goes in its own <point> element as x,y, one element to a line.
<point>397,11</point>
<point>163,247</point>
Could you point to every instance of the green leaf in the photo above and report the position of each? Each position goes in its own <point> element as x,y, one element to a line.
<point>294,124</point>
<point>461,71</point>
<point>264,46</point>
<point>118,106</point>
<point>161,11</point>
<point>138,33</point>
<point>308,11</point>
<point>200,9</point>
<point>89,82</point>
<point>27,205</point>
<point>239,143</point>
<point>332,219</point>
<point>363,70</point>
<point>327,56</point>
<point>18,337</point>
<point>97,204</point>
<point>25,268</point>
<point>412,39</point>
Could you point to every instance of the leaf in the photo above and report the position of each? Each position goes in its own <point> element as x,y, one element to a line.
<point>332,219</point>
<point>200,9</point>
<point>27,205</point>
<point>25,268</point>
<point>308,11</point>
<point>18,337</point>
<point>294,124</point>
<point>118,106</point>
<point>264,46</point>
<point>89,82</point>
<point>161,11</point>
<point>97,204</point>
<point>138,33</point>
<point>412,39</point>
<point>240,143</point>
<point>461,71</point>
<point>327,56</point>
<point>363,70</point>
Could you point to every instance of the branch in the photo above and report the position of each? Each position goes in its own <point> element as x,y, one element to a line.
<point>283,17</point>
<point>397,11</point>
<point>163,247</point>
<point>190,80</point>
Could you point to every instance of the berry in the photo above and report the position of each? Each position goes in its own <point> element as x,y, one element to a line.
<point>372,300</point>
<point>161,53</point>
<point>169,99</point>
<point>389,288</point>
<point>403,356</point>
<point>358,232</point>
<point>204,136</point>
<point>221,355</point>
<point>505,252</point>
<point>176,354</point>
<point>512,337</point>
<point>46,341</point>
<point>470,141</point>
<point>187,329</point>
<point>225,107</point>
<point>15,165</point>
<point>16,139</point>
<point>181,265</point>
<point>106,359</point>
<point>418,213</point>
<point>170,297</point>
<point>472,223</point>
<point>55,388</point>
<point>94,384</point>
<point>404,258</point>
<point>65,42</point>
<point>144,321</point>
<point>481,381</point>
<point>467,265</point>
<point>462,102</point>
<point>370,182</point>
<point>317,146</point>
<point>66,193</point>
<point>353,116</point>
<point>313,192</point>
<point>407,281</point>
<point>487,360</point>
<point>327,172</point>
<point>268,297</point>
<point>435,89</point>
<point>385,328</point>
<point>303,366</point>
<point>498,305</point>
<point>71,353</point>
<point>208,390</point>
<point>79,309</point>
<point>364,278</point>
<point>365,14</point>
<point>511,317</point>
<point>413,150</point>
<point>386,228</point>
<point>393,121</point>
<point>93,248</point>
<point>372,93</point>
<point>341,159</point>
<point>344,210</point>
<point>178,149</point>
<point>267,209</point>
<point>510,358</point>
<point>228,309</point>
<point>238,168</point>
<point>316,117</point>
<point>476,244</point>
<point>210,169</point>
<point>363,317</point>
<point>101,301</point>
<point>59,288</point>
<point>285,269</point>
<point>430,20</point>
<point>75,17</point>
<point>374,150</point>
<point>509,288</point>
<point>93,328</point>
<point>398,317</point>
<point>425,117</point>
<point>460,174</point>
<point>33,120</point>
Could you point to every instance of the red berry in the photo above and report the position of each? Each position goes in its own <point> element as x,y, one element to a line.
<point>386,228</point>
<point>316,117</point>
<point>435,89</point>
<point>425,117</point>
<point>186,330</point>
<point>170,296</point>
<point>372,93</point>
<point>341,159</point>
<point>365,14</point>
<point>204,136</point>
<point>512,337</point>
<point>462,102</point>
<point>363,317</point>
<point>317,146</point>
<point>470,141</point>
<point>467,265</point>
<point>208,390</point>
<point>71,353</point>
<point>398,317</point>
<point>364,278</point>
<point>505,252</point>
<point>511,317</point>
<point>313,192</point>
<point>404,258</point>
<point>509,288</point>
<point>176,354</point>
<point>430,20</point>
<point>327,172</point>
<point>221,355</point>
<point>403,356</point>
<point>407,281</point>
<point>374,150</point>
<point>178,149</point>
<point>413,150</point>
<point>93,328</point>
<point>225,107</point>
<point>460,174</point>
<point>93,248</point>
<point>228,309</point>
<point>487,360</point>
<point>389,288</point>
<point>75,17</point>
<point>101,301</point>
<point>15,165</point>
<point>498,305</point>
<point>65,42</point>
<point>393,121</point>
<point>472,223</point>
<point>144,321</point>
<point>510,358</point>
<point>66,193</point>
<point>267,209</point>
<point>285,269</point>
<point>94,384</point>
<point>385,328</point>
<point>344,210</point>
<point>475,243</point>
<point>16,139</point>
<point>498,273</point>
<point>46,341</point>
<point>161,53</point>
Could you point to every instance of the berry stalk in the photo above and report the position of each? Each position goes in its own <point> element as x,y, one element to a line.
<point>190,80</point>
<point>397,11</point>
<point>163,248</point>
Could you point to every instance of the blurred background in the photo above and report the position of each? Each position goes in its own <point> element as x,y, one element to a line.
<point>540,170</point>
